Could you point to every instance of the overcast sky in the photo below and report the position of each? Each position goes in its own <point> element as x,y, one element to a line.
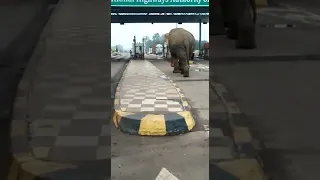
<point>123,34</point>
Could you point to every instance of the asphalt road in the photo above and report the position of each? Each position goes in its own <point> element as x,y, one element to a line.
<point>185,156</point>
<point>120,56</point>
<point>282,101</point>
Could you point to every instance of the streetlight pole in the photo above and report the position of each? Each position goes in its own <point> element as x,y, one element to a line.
<point>200,44</point>
<point>134,46</point>
<point>143,47</point>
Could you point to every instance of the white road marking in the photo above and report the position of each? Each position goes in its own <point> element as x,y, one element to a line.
<point>164,174</point>
<point>206,128</point>
<point>292,13</point>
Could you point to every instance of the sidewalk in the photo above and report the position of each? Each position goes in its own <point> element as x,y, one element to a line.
<point>147,102</point>
<point>61,112</point>
<point>19,25</point>
<point>297,43</point>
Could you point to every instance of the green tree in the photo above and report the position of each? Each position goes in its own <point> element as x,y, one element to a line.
<point>119,48</point>
<point>162,39</point>
<point>156,38</point>
<point>149,43</point>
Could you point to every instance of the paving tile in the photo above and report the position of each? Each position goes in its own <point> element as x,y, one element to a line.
<point>81,153</point>
<point>216,132</point>
<point>104,140</point>
<point>50,122</point>
<point>105,130</point>
<point>59,107</point>
<point>91,115</point>
<point>46,131</point>
<point>56,114</point>
<point>103,152</point>
<point>138,86</point>
<point>41,152</point>
<point>81,129</point>
<point>76,141</point>
<point>42,141</point>
<point>95,101</point>
<point>220,153</point>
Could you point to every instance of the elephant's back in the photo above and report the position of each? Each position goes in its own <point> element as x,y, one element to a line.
<point>178,36</point>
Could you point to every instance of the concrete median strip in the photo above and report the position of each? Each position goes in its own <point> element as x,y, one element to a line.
<point>247,164</point>
<point>239,169</point>
<point>147,102</point>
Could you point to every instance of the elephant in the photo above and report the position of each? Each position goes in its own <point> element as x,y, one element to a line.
<point>240,17</point>
<point>181,44</point>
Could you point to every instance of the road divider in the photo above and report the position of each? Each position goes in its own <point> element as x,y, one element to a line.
<point>147,102</point>
<point>247,165</point>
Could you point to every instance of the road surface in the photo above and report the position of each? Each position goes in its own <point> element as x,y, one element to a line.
<point>120,56</point>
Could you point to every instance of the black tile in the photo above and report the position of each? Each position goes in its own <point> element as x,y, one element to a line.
<point>89,128</point>
<point>73,153</point>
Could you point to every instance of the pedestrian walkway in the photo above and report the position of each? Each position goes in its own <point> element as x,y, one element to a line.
<point>147,102</point>
<point>199,67</point>
<point>61,114</point>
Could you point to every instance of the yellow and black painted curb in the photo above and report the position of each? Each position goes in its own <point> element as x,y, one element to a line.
<point>237,169</point>
<point>152,123</point>
<point>245,144</point>
<point>23,164</point>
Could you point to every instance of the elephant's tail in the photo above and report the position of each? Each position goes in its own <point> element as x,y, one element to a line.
<point>187,47</point>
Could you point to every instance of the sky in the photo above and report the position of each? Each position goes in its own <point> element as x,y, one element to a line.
<point>123,34</point>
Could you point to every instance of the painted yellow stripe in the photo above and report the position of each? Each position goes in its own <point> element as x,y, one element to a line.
<point>242,135</point>
<point>117,102</point>
<point>117,116</point>
<point>14,170</point>
<point>153,125</point>
<point>188,118</point>
<point>244,169</point>
<point>261,2</point>
<point>185,103</point>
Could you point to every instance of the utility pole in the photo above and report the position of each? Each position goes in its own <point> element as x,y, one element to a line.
<point>200,29</point>
<point>134,46</point>
<point>143,47</point>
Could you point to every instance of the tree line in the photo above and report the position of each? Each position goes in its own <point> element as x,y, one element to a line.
<point>152,41</point>
<point>160,39</point>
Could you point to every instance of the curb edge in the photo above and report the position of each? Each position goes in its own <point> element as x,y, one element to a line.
<point>246,146</point>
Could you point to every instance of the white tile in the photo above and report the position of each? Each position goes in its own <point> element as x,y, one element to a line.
<point>139,97</point>
<point>134,105</point>
<point>147,109</point>
<point>148,102</point>
<point>175,109</point>
<point>161,105</point>
<point>172,102</point>
<point>128,95</point>
<point>125,101</point>
<point>160,97</point>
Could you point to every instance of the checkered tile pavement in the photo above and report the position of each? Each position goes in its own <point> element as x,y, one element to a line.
<point>70,116</point>
<point>69,104</point>
<point>144,87</point>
